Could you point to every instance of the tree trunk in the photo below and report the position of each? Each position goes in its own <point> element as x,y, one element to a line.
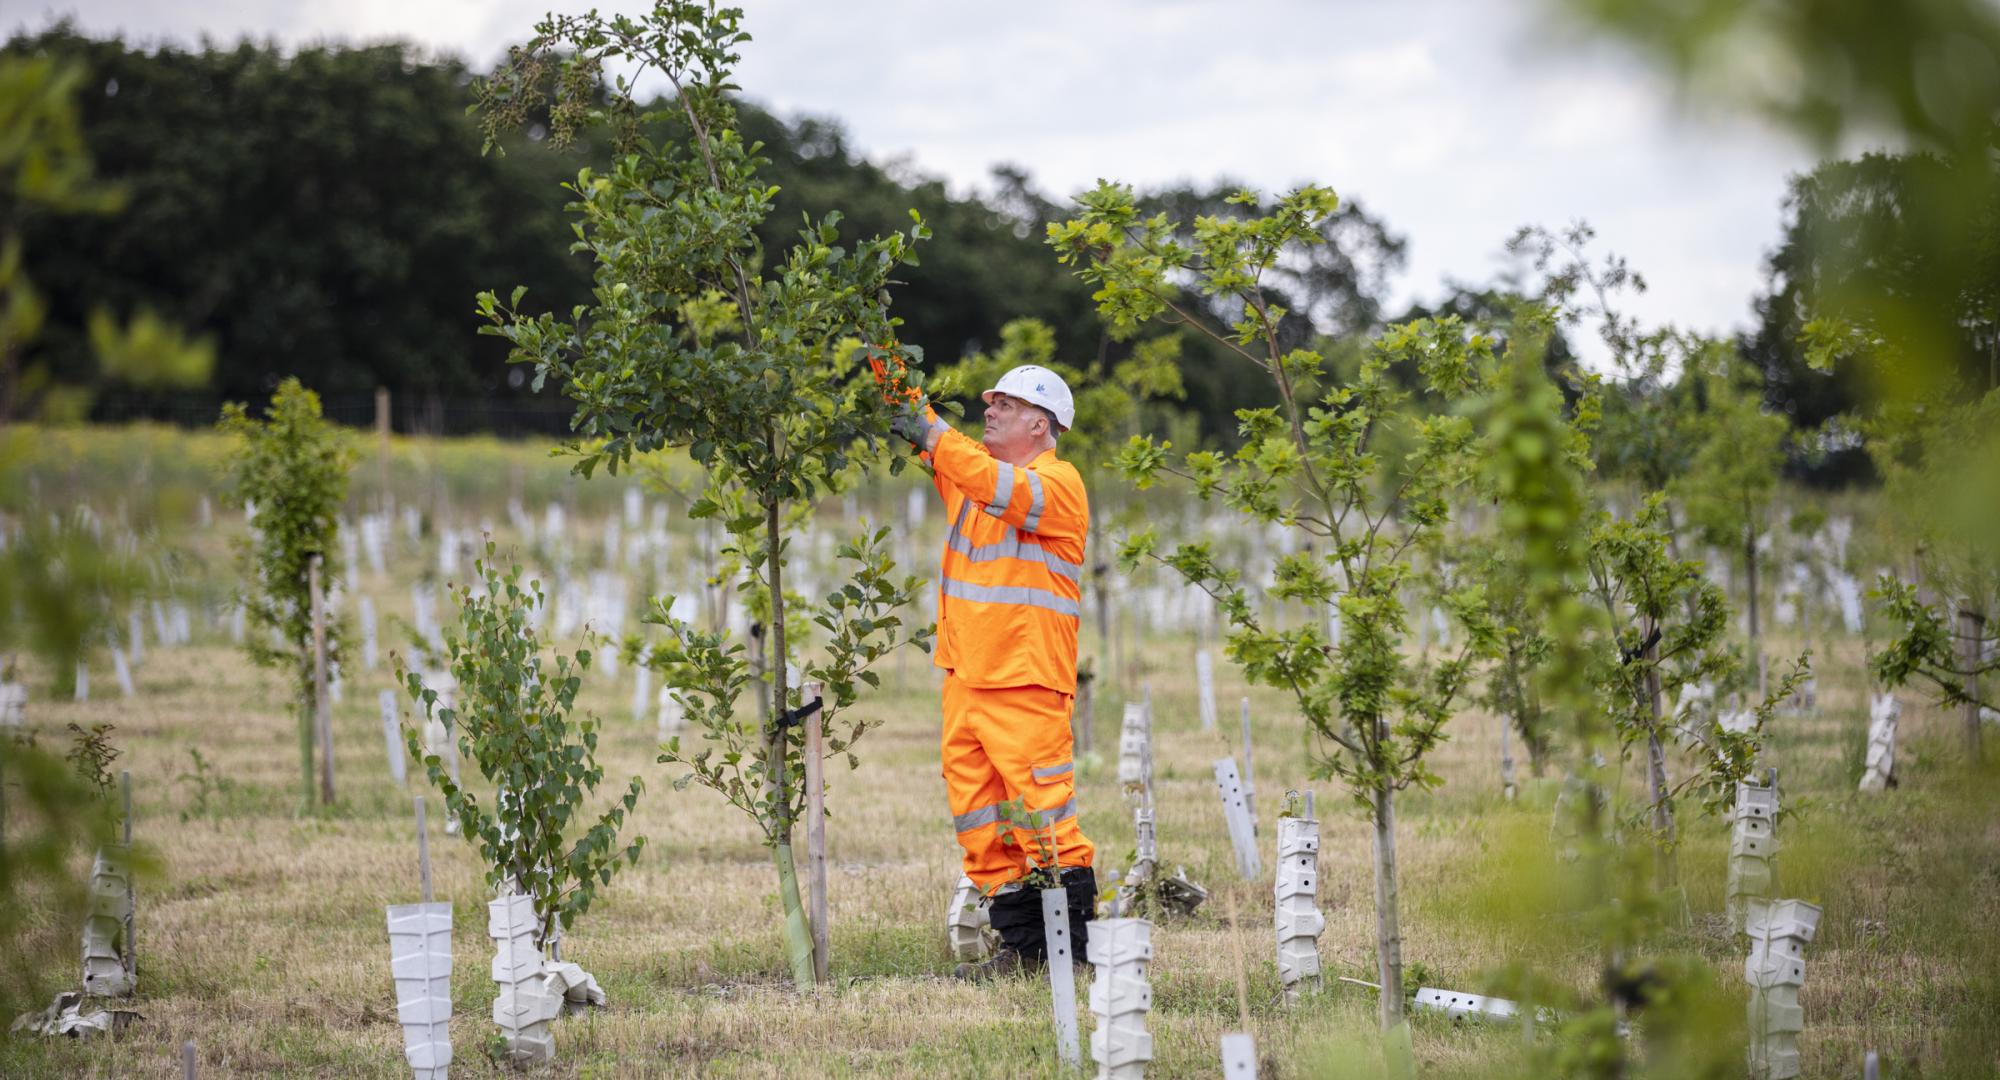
<point>1101,574</point>
<point>1666,874</point>
<point>1750,567</point>
<point>1388,932</point>
<point>1535,737</point>
<point>798,937</point>
<point>322,706</point>
<point>1970,629</point>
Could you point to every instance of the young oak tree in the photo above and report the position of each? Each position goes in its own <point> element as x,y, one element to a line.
<point>1936,456</point>
<point>1667,624</point>
<point>697,338</point>
<point>1310,463</point>
<point>292,466</point>
<point>513,721</point>
<point>1533,468</point>
<point>1732,478</point>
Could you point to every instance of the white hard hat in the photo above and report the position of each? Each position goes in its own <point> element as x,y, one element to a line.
<point>1037,385</point>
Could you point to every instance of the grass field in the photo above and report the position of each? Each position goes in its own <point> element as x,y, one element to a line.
<point>262,937</point>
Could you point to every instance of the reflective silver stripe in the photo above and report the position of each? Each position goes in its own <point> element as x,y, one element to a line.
<point>1012,594</point>
<point>1012,546</point>
<point>1053,771</point>
<point>973,819</point>
<point>1034,502</point>
<point>935,426</point>
<point>1054,816</point>
<point>1003,492</point>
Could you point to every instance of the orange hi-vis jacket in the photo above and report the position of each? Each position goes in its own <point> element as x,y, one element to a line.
<point>1010,594</point>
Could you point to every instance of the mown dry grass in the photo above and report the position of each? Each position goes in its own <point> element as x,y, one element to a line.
<point>262,938</point>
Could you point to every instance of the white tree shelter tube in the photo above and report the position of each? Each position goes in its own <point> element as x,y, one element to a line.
<point>1121,950</point>
<point>965,922</point>
<point>420,961</point>
<point>1298,918</point>
<point>524,1006</point>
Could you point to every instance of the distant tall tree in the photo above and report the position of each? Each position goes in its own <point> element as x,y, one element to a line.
<point>1732,477</point>
<point>1855,252</point>
<point>323,211</point>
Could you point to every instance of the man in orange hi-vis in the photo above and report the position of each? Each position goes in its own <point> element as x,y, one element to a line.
<point>1009,605</point>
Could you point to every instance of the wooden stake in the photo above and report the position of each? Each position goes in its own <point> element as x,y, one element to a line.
<point>816,829</point>
<point>1249,771</point>
<point>382,453</point>
<point>322,706</point>
<point>131,908</point>
<point>423,850</point>
<point>1969,628</point>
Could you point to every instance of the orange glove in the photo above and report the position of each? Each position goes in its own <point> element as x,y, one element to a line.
<point>893,387</point>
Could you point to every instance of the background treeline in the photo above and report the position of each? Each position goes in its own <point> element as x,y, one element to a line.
<point>327,212</point>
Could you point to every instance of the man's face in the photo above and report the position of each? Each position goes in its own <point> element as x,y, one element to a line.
<point>1012,426</point>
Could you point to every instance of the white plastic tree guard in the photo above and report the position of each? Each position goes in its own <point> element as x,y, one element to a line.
<point>1737,721</point>
<point>1062,974</point>
<point>375,538</point>
<point>965,922</point>
<point>423,612</point>
<point>392,736</point>
<point>82,682</point>
<point>420,961</point>
<point>123,670</point>
<point>1693,709</point>
<point>642,689</point>
<point>1879,770</point>
<point>1236,812</point>
<point>1239,1056</point>
<point>13,704</point>
<point>1298,919</point>
<point>1135,747</point>
<point>1121,951</point>
<point>1204,675</point>
<point>1457,1006</point>
<point>366,607</point>
<point>1775,969</point>
<point>524,1006</point>
<point>1146,857</point>
<point>107,963</point>
<point>1753,849</point>
<point>135,638</point>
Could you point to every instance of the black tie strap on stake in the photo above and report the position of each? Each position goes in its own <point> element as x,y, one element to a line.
<point>795,717</point>
<point>1634,654</point>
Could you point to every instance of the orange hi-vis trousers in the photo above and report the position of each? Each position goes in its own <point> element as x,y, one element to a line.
<point>1006,744</point>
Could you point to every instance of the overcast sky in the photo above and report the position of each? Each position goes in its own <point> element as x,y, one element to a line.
<point>1455,121</point>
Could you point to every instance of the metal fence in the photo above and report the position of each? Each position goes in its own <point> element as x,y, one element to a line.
<point>410,413</point>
